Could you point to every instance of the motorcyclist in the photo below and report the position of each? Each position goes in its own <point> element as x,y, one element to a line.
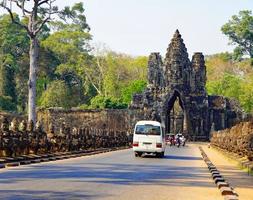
<point>183,140</point>
<point>178,141</point>
<point>172,140</point>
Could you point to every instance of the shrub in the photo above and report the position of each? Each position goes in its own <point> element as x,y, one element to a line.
<point>7,104</point>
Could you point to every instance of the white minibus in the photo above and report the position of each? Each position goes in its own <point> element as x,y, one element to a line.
<point>149,138</point>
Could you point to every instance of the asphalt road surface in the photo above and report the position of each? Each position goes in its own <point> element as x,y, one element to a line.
<point>180,175</point>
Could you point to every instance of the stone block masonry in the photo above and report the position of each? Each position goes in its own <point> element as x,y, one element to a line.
<point>106,119</point>
<point>176,95</point>
<point>238,139</point>
<point>19,139</point>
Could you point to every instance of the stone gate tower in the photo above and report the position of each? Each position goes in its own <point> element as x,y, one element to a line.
<point>176,95</point>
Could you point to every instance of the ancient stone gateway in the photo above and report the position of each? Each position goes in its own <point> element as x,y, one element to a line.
<point>177,97</point>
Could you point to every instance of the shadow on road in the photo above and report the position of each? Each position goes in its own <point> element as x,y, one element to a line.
<point>142,172</point>
<point>92,174</point>
<point>44,195</point>
<point>171,157</point>
<point>182,157</point>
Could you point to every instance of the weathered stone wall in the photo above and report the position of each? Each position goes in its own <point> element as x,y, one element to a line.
<point>109,119</point>
<point>176,77</point>
<point>10,116</point>
<point>59,130</point>
<point>238,139</point>
<point>18,139</point>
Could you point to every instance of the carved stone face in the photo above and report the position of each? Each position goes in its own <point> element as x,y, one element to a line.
<point>14,125</point>
<point>74,131</point>
<point>5,125</point>
<point>51,128</point>
<point>38,126</point>
<point>50,135</point>
<point>30,126</point>
<point>23,126</point>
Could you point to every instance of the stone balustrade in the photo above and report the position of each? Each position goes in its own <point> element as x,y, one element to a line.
<point>238,139</point>
<point>24,138</point>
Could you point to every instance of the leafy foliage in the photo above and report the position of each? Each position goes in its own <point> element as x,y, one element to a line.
<point>107,102</point>
<point>7,104</point>
<point>246,97</point>
<point>72,73</point>
<point>240,32</point>
<point>13,45</point>
<point>58,94</point>
<point>134,87</point>
<point>228,85</point>
<point>231,79</point>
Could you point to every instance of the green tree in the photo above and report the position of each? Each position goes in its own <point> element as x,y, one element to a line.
<point>7,83</point>
<point>120,70</point>
<point>240,32</point>
<point>119,77</point>
<point>38,16</point>
<point>21,79</point>
<point>14,58</point>
<point>134,87</point>
<point>6,103</point>
<point>102,102</point>
<point>138,68</point>
<point>112,77</point>
<point>229,86</point>
<point>13,45</point>
<point>246,97</point>
<point>230,78</point>
<point>58,94</point>
<point>70,45</point>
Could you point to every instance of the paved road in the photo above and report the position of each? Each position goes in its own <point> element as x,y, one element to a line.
<point>116,175</point>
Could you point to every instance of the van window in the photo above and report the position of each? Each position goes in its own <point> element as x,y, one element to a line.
<point>148,129</point>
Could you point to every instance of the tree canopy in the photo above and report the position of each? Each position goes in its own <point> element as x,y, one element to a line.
<point>231,79</point>
<point>239,29</point>
<point>72,72</point>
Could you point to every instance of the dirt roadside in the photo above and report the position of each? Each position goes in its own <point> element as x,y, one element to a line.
<point>236,177</point>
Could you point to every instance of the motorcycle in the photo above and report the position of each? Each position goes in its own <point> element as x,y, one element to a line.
<point>180,140</point>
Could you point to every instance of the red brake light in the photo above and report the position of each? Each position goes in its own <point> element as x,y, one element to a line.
<point>159,145</point>
<point>135,144</point>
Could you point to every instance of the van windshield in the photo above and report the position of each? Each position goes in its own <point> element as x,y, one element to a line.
<point>147,129</point>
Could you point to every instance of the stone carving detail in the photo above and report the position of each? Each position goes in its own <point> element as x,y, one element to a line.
<point>155,74</point>
<point>177,79</point>
<point>238,139</point>
<point>18,139</point>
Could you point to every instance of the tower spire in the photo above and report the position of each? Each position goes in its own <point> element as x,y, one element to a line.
<point>176,61</point>
<point>177,34</point>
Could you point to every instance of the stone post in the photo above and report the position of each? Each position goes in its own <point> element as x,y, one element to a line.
<point>222,120</point>
<point>185,126</point>
<point>201,126</point>
<point>212,131</point>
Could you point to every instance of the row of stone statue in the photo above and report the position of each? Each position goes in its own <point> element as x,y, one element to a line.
<point>238,139</point>
<point>23,138</point>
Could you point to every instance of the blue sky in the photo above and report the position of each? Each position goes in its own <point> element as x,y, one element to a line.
<point>139,27</point>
